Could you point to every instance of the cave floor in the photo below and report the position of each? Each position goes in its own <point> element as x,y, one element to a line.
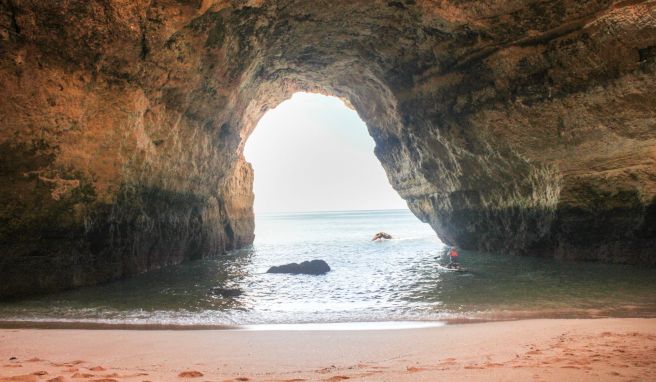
<point>539,350</point>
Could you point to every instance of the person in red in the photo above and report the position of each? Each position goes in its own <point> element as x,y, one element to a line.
<point>453,255</point>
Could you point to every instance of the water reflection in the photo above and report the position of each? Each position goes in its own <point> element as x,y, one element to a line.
<point>396,280</point>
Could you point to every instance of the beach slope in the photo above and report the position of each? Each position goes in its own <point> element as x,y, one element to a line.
<point>530,350</point>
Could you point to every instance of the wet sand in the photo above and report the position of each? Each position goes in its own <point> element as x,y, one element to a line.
<point>531,350</point>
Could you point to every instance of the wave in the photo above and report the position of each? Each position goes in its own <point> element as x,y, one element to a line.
<point>414,238</point>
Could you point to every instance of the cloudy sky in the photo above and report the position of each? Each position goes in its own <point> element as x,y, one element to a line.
<point>312,153</point>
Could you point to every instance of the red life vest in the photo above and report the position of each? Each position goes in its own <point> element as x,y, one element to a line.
<point>453,253</point>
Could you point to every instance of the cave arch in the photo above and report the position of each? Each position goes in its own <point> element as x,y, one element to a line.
<point>524,127</point>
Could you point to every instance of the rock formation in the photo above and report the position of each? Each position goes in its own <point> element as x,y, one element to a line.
<point>312,267</point>
<point>523,126</point>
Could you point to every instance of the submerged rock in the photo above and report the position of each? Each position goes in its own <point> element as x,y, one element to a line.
<point>226,292</point>
<point>314,267</point>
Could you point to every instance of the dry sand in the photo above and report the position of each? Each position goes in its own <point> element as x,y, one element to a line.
<point>531,350</point>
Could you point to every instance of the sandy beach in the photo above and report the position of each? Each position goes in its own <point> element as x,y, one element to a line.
<point>530,350</point>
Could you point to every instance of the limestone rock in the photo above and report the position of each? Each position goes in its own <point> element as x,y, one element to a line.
<point>521,126</point>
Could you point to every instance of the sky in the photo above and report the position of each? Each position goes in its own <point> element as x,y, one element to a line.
<point>312,153</point>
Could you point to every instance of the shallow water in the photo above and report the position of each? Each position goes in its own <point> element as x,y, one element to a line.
<point>393,280</point>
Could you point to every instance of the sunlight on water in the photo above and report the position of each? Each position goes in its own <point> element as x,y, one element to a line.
<point>394,280</point>
<point>327,326</point>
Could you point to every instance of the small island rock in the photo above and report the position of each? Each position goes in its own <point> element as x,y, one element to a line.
<point>314,267</point>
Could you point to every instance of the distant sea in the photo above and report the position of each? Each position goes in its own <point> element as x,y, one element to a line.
<point>398,280</point>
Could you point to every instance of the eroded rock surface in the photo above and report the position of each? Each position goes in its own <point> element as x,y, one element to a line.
<point>524,126</point>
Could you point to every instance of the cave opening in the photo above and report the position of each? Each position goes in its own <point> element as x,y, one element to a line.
<point>313,153</point>
<point>322,194</point>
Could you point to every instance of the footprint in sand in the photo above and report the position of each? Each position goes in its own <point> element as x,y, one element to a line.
<point>20,378</point>
<point>190,374</point>
<point>379,367</point>
<point>448,361</point>
<point>97,368</point>
<point>127,375</point>
<point>337,378</point>
<point>66,364</point>
<point>327,369</point>
<point>414,369</point>
<point>82,375</point>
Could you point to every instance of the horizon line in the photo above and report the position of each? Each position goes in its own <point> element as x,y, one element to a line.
<point>327,211</point>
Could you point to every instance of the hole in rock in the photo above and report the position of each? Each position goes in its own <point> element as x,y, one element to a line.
<point>313,153</point>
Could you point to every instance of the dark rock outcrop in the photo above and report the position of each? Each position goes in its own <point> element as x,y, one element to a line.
<point>226,292</point>
<point>314,267</point>
<point>522,126</point>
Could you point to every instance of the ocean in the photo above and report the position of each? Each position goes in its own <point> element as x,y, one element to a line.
<point>401,280</point>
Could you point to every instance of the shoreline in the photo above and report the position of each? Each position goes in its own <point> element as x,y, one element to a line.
<point>612,349</point>
<point>84,325</point>
<point>300,326</point>
<point>318,326</point>
<point>495,316</point>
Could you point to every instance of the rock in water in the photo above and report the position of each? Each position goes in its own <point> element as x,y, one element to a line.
<point>226,292</point>
<point>314,267</point>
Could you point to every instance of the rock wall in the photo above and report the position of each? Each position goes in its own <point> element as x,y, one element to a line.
<point>522,126</point>
<point>111,165</point>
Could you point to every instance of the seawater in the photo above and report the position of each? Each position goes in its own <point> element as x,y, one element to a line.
<point>398,280</point>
